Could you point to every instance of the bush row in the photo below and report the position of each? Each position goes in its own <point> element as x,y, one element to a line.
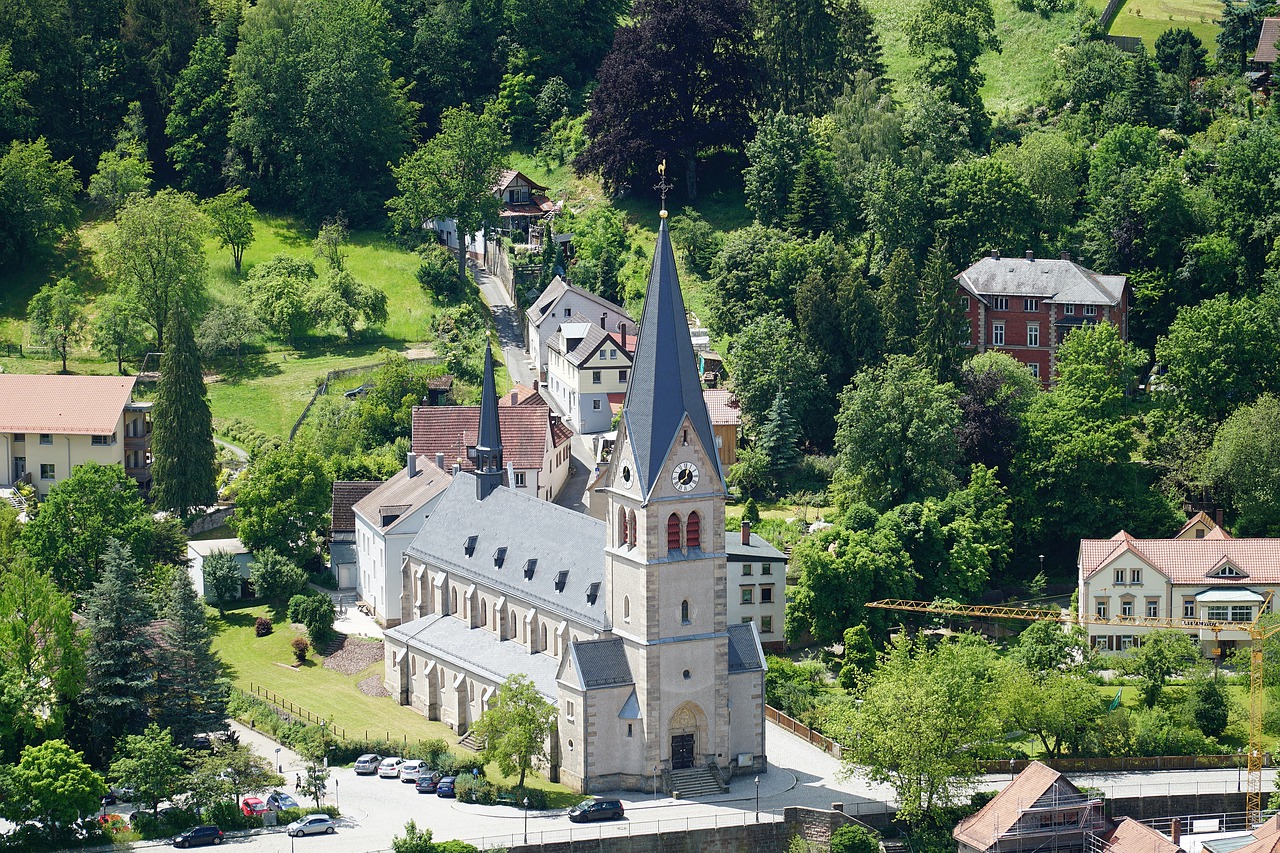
<point>252,439</point>
<point>486,793</point>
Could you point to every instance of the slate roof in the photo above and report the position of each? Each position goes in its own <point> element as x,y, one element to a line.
<point>1189,561</point>
<point>664,383</point>
<point>205,547</point>
<point>1129,836</point>
<point>1268,843</point>
<point>601,663</point>
<point>63,405</point>
<point>1266,51</point>
<point>451,429</point>
<point>983,829</point>
<point>402,493</point>
<point>346,494</point>
<point>476,650</point>
<point>558,538</point>
<point>722,407</point>
<point>758,548</point>
<point>583,339</point>
<point>1043,278</point>
<point>745,653</point>
<point>342,553</point>
<point>545,305</point>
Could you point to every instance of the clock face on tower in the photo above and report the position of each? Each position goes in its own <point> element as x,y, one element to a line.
<point>685,476</point>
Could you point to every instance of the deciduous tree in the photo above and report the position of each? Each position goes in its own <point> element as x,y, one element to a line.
<point>230,219</point>
<point>115,328</point>
<point>51,784</point>
<point>284,502</point>
<point>280,293</point>
<point>56,315</point>
<point>515,727</point>
<point>768,355</point>
<point>182,432</point>
<point>774,155</point>
<point>222,576</point>
<point>951,36</point>
<point>152,765</point>
<point>37,199</point>
<point>1244,463</point>
<point>1162,654</point>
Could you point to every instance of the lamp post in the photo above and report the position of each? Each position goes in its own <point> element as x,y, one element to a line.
<point>324,741</point>
<point>335,793</point>
<point>1042,562</point>
<point>1239,767</point>
<point>655,781</point>
<point>757,799</point>
<point>526,820</point>
<point>279,767</point>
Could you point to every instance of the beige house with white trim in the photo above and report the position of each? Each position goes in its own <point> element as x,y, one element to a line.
<point>51,423</point>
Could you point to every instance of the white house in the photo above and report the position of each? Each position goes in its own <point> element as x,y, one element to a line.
<point>199,549</point>
<point>386,520</point>
<point>757,580</point>
<point>587,372</point>
<point>557,304</point>
<point>1202,573</point>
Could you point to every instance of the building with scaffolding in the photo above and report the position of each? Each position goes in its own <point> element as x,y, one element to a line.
<point>1039,810</point>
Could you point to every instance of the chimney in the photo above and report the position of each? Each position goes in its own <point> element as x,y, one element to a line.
<point>1031,256</point>
<point>515,396</point>
<point>1066,256</point>
<point>440,461</point>
<point>622,328</point>
<point>746,533</point>
<point>535,385</point>
<point>603,318</point>
<point>995,253</point>
<point>411,461</point>
<point>1175,831</point>
<point>456,469</point>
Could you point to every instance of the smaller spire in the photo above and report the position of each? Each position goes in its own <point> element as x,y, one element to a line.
<point>489,440</point>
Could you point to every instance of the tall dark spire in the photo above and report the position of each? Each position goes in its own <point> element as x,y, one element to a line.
<point>664,386</point>
<point>489,442</point>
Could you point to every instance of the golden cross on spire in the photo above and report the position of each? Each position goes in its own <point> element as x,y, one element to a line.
<point>663,186</point>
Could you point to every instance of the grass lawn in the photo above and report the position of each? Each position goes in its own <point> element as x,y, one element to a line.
<point>266,662</point>
<point>1147,19</point>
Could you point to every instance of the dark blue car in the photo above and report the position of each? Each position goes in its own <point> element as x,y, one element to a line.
<point>445,787</point>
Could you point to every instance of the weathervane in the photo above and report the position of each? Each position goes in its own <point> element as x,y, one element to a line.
<point>662,186</point>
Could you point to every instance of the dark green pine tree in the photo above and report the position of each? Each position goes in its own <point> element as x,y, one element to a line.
<point>859,45</point>
<point>779,439</point>
<point>119,669</point>
<point>192,691</point>
<point>898,299</point>
<point>943,325</point>
<point>863,326</point>
<point>812,208</point>
<point>182,435</point>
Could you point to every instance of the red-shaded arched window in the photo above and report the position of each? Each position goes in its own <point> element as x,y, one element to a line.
<point>673,532</point>
<point>631,526</point>
<point>693,531</point>
<point>622,527</point>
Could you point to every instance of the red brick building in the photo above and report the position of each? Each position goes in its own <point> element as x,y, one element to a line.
<point>1026,306</point>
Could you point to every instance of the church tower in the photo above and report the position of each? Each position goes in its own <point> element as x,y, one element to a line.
<point>664,553</point>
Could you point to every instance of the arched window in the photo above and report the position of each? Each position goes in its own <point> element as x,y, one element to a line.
<point>693,531</point>
<point>684,611</point>
<point>543,646</point>
<point>623,538</point>
<point>484,612</point>
<point>453,599</point>
<point>631,526</point>
<point>511,624</point>
<point>626,608</point>
<point>673,532</point>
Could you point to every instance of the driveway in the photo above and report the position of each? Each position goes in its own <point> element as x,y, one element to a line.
<point>508,323</point>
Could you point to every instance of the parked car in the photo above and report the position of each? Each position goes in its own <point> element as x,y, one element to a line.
<point>428,781</point>
<point>390,767</point>
<point>594,809</point>
<point>253,806</point>
<point>367,764</point>
<point>117,795</point>
<point>444,788</point>
<point>279,800</point>
<point>312,824</point>
<point>198,836</point>
<point>411,770</point>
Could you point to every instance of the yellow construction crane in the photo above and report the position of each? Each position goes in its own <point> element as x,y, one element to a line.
<point>1257,633</point>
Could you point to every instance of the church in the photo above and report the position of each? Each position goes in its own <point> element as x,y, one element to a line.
<point>620,624</point>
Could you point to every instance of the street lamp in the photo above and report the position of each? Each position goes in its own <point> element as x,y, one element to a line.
<point>655,781</point>
<point>757,799</point>
<point>1042,563</point>
<point>335,793</point>
<point>324,742</point>
<point>526,820</point>
<point>279,767</point>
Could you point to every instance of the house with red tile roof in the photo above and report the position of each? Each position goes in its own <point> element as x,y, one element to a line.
<point>50,424</point>
<point>1039,810</point>
<point>1201,573</point>
<point>535,442</point>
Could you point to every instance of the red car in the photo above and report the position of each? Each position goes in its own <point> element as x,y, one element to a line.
<point>254,806</point>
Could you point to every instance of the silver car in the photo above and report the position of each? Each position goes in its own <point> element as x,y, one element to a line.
<point>312,824</point>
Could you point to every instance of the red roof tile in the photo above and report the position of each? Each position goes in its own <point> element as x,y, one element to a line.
<point>1267,38</point>
<point>722,406</point>
<point>982,830</point>
<point>63,405</point>
<point>452,429</point>
<point>1189,560</point>
<point>1129,836</point>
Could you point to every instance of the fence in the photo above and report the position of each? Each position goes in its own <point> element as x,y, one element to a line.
<point>498,262</point>
<point>1107,764</point>
<point>323,387</point>
<point>1109,14</point>
<point>826,744</point>
<point>296,712</point>
<point>626,829</point>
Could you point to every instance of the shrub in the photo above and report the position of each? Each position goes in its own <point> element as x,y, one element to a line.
<point>262,626</point>
<point>854,839</point>
<point>476,789</point>
<point>228,815</point>
<point>275,576</point>
<point>315,611</point>
<point>325,579</point>
<point>285,816</point>
<point>300,648</point>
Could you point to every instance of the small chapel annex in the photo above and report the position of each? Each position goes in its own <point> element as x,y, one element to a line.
<point>621,624</point>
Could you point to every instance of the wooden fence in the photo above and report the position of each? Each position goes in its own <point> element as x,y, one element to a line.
<point>323,387</point>
<point>292,711</point>
<point>826,744</point>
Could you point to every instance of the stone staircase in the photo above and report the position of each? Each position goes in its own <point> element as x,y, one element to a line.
<point>471,742</point>
<point>693,782</point>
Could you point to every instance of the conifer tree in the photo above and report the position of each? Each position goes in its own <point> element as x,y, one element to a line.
<point>118,661</point>
<point>897,298</point>
<point>811,209</point>
<point>943,326</point>
<point>779,438</point>
<point>182,436</point>
<point>193,694</point>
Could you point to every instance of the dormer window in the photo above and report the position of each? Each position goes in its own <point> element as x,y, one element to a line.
<point>593,591</point>
<point>562,578</point>
<point>1229,571</point>
<point>499,557</point>
<point>529,567</point>
<point>470,547</point>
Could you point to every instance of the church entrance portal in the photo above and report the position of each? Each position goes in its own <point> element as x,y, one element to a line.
<point>681,751</point>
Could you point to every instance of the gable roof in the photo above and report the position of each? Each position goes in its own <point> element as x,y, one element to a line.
<point>544,306</point>
<point>1201,518</point>
<point>1268,843</point>
<point>346,494</point>
<point>1058,280</point>
<point>745,654</point>
<point>522,395</point>
<point>509,177</point>
<point>528,528</point>
<point>982,830</point>
<point>1129,836</point>
<point>601,663</point>
<point>665,386</point>
<point>583,339</point>
<point>1189,561</point>
<point>1267,38</point>
<point>403,493</point>
<point>63,405</point>
<point>452,429</point>
<point>722,407</point>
